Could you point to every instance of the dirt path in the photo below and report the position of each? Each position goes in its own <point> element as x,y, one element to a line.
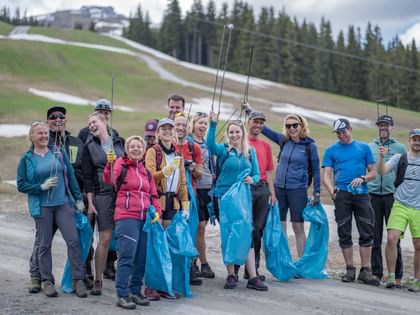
<point>297,296</point>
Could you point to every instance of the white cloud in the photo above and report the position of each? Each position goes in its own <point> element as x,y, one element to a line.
<point>412,32</point>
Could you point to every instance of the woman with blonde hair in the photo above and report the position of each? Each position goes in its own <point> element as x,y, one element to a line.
<point>234,159</point>
<point>136,191</point>
<point>53,193</point>
<point>298,163</point>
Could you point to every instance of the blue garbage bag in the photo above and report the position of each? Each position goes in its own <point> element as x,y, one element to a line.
<point>158,274</point>
<point>311,265</point>
<point>85,239</point>
<point>276,247</point>
<point>193,215</point>
<point>236,222</point>
<point>182,251</point>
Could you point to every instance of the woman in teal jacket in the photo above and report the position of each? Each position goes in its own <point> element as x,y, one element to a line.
<point>233,159</point>
<point>49,180</point>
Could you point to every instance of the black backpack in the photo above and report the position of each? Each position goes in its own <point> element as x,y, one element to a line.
<point>401,168</point>
<point>308,151</point>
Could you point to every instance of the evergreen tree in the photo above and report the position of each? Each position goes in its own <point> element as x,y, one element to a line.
<point>170,34</point>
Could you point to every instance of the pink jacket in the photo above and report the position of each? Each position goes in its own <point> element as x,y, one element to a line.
<point>136,192</point>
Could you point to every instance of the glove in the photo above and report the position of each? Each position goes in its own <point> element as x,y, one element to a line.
<point>186,209</point>
<point>156,218</point>
<point>49,182</point>
<point>168,170</point>
<point>316,199</point>
<point>110,156</point>
<point>80,205</point>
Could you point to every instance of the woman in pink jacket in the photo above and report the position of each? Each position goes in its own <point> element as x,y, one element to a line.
<point>136,193</point>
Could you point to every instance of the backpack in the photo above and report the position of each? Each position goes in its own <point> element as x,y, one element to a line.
<point>308,151</point>
<point>159,155</point>
<point>123,174</point>
<point>401,168</point>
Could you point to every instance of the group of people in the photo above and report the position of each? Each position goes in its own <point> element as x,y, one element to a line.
<point>114,182</point>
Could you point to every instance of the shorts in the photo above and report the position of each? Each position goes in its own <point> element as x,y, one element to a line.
<point>347,205</point>
<point>401,216</point>
<point>293,199</point>
<point>104,205</point>
<point>203,199</point>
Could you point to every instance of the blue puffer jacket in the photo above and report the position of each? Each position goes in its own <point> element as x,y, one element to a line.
<point>29,183</point>
<point>292,170</point>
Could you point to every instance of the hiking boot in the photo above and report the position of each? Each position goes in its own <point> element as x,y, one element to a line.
<point>390,282</point>
<point>256,284</point>
<point>246,276</point>
<point>80,288</point>
<point>97,288</point>
<point>366,276</point>
<point>151,294</point>
<point>109,272</point>
<point>125,303</point>
<point>196,281</point>
<point>34,286</point>
<point>206,272</point>
<point>350,274</point>
<point>231,282</point>
<point>193,276</point>
<point>88,283</point>
<point>414,286</point>
<point>49,289</point>
<point>139,299</point>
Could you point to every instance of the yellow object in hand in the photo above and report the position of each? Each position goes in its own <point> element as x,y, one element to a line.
<point>168,170</point>
<point>110,156</point>
<point>156,218</point>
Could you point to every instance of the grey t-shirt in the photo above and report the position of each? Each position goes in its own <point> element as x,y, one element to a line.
<point>206,180</point>
<point>408,193</point>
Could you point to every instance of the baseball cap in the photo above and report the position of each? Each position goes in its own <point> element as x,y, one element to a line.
<point>385,119</point>
<point>257,115</point>
<point>150,127</point>
<point>340,124</point>
<point>414,132</point>
<point>103,104</point>
<point>165,121</point>
<point>53,109</point>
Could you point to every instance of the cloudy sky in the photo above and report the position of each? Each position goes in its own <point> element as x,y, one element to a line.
<point>400,17</point>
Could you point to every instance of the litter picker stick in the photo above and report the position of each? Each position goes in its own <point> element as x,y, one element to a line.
<point>111,131</point>
<point>378,102</point>
<point>218,66</point>
<point>248,75</point>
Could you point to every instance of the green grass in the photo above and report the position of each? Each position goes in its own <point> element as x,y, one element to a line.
<point>78,36</point>
<point>5,28</point>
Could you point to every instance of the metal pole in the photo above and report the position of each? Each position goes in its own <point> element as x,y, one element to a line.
<point>218,66</point>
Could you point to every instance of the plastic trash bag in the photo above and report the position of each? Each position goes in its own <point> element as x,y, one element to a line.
<point>276,247</point>
<point>311,265</point>
<point>236,222</point>
<point>182,251</point>
<point>193,211</point>
<point>158,274</point>
<point>85,239</point>
<point>355,190</point>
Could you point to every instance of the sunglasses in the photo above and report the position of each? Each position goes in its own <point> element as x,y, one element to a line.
<point>38,122</point>
<point>236,122</point>
<point>56,116</point>
<point>181,114</point>
<point>294,126</point>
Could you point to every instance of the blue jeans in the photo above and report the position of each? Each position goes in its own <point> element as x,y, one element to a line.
<point>132,242</point>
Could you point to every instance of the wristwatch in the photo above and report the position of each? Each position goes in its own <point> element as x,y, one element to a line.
<point>364,178</point>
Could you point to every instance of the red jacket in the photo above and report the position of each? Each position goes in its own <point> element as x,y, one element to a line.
<point>135,192</point>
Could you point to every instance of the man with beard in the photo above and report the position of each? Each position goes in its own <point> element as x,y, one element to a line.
<point>406,208</point>
<point>381,191</point>
<point>176,104</point>
<point>263,191</point>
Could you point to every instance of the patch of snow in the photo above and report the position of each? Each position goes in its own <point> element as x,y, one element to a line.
<point>71,99</point>
<point>13,130</point>
<point>203,104</point>
<point>2,36</point>
<point>10,182</point>
<point>318,116</point>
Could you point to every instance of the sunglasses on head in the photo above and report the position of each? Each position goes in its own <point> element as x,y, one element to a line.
<point>294,126</point>
<point>37,122</point>
<point>201,114</point>
<point>236,122</point>
<point>56,116</point>
<point>181,114</point>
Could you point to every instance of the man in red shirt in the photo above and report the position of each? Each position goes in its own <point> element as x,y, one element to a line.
<point>263,191</point>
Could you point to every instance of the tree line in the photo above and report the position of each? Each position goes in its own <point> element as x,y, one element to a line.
<point>357,63</point>
<point>17,18</point>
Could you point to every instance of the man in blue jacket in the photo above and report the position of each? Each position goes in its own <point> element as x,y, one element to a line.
<point>349,159</point>
<point>381,191</point>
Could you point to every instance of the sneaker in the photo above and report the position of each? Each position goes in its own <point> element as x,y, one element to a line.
<point>97,288</point>
<point>350,274</point>
<point>206,272</point>
<point>246,276</point>
<point>166,295</point>
<point>390,282</point>
<point>256,284</point>
<point>151,294</point>
<point>88,283</point>
<point>139,299</point>
<point>194,280</point>
<point>366,276</point>
<point>125,303</point>
<point>34,286</point>
<point>414,286</point>
<point>231,282</point>
<point>49,289</point>
<point>80,288</point>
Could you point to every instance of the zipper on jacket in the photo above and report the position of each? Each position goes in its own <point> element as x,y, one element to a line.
<point>127,199</point>
<point>288,164</point>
